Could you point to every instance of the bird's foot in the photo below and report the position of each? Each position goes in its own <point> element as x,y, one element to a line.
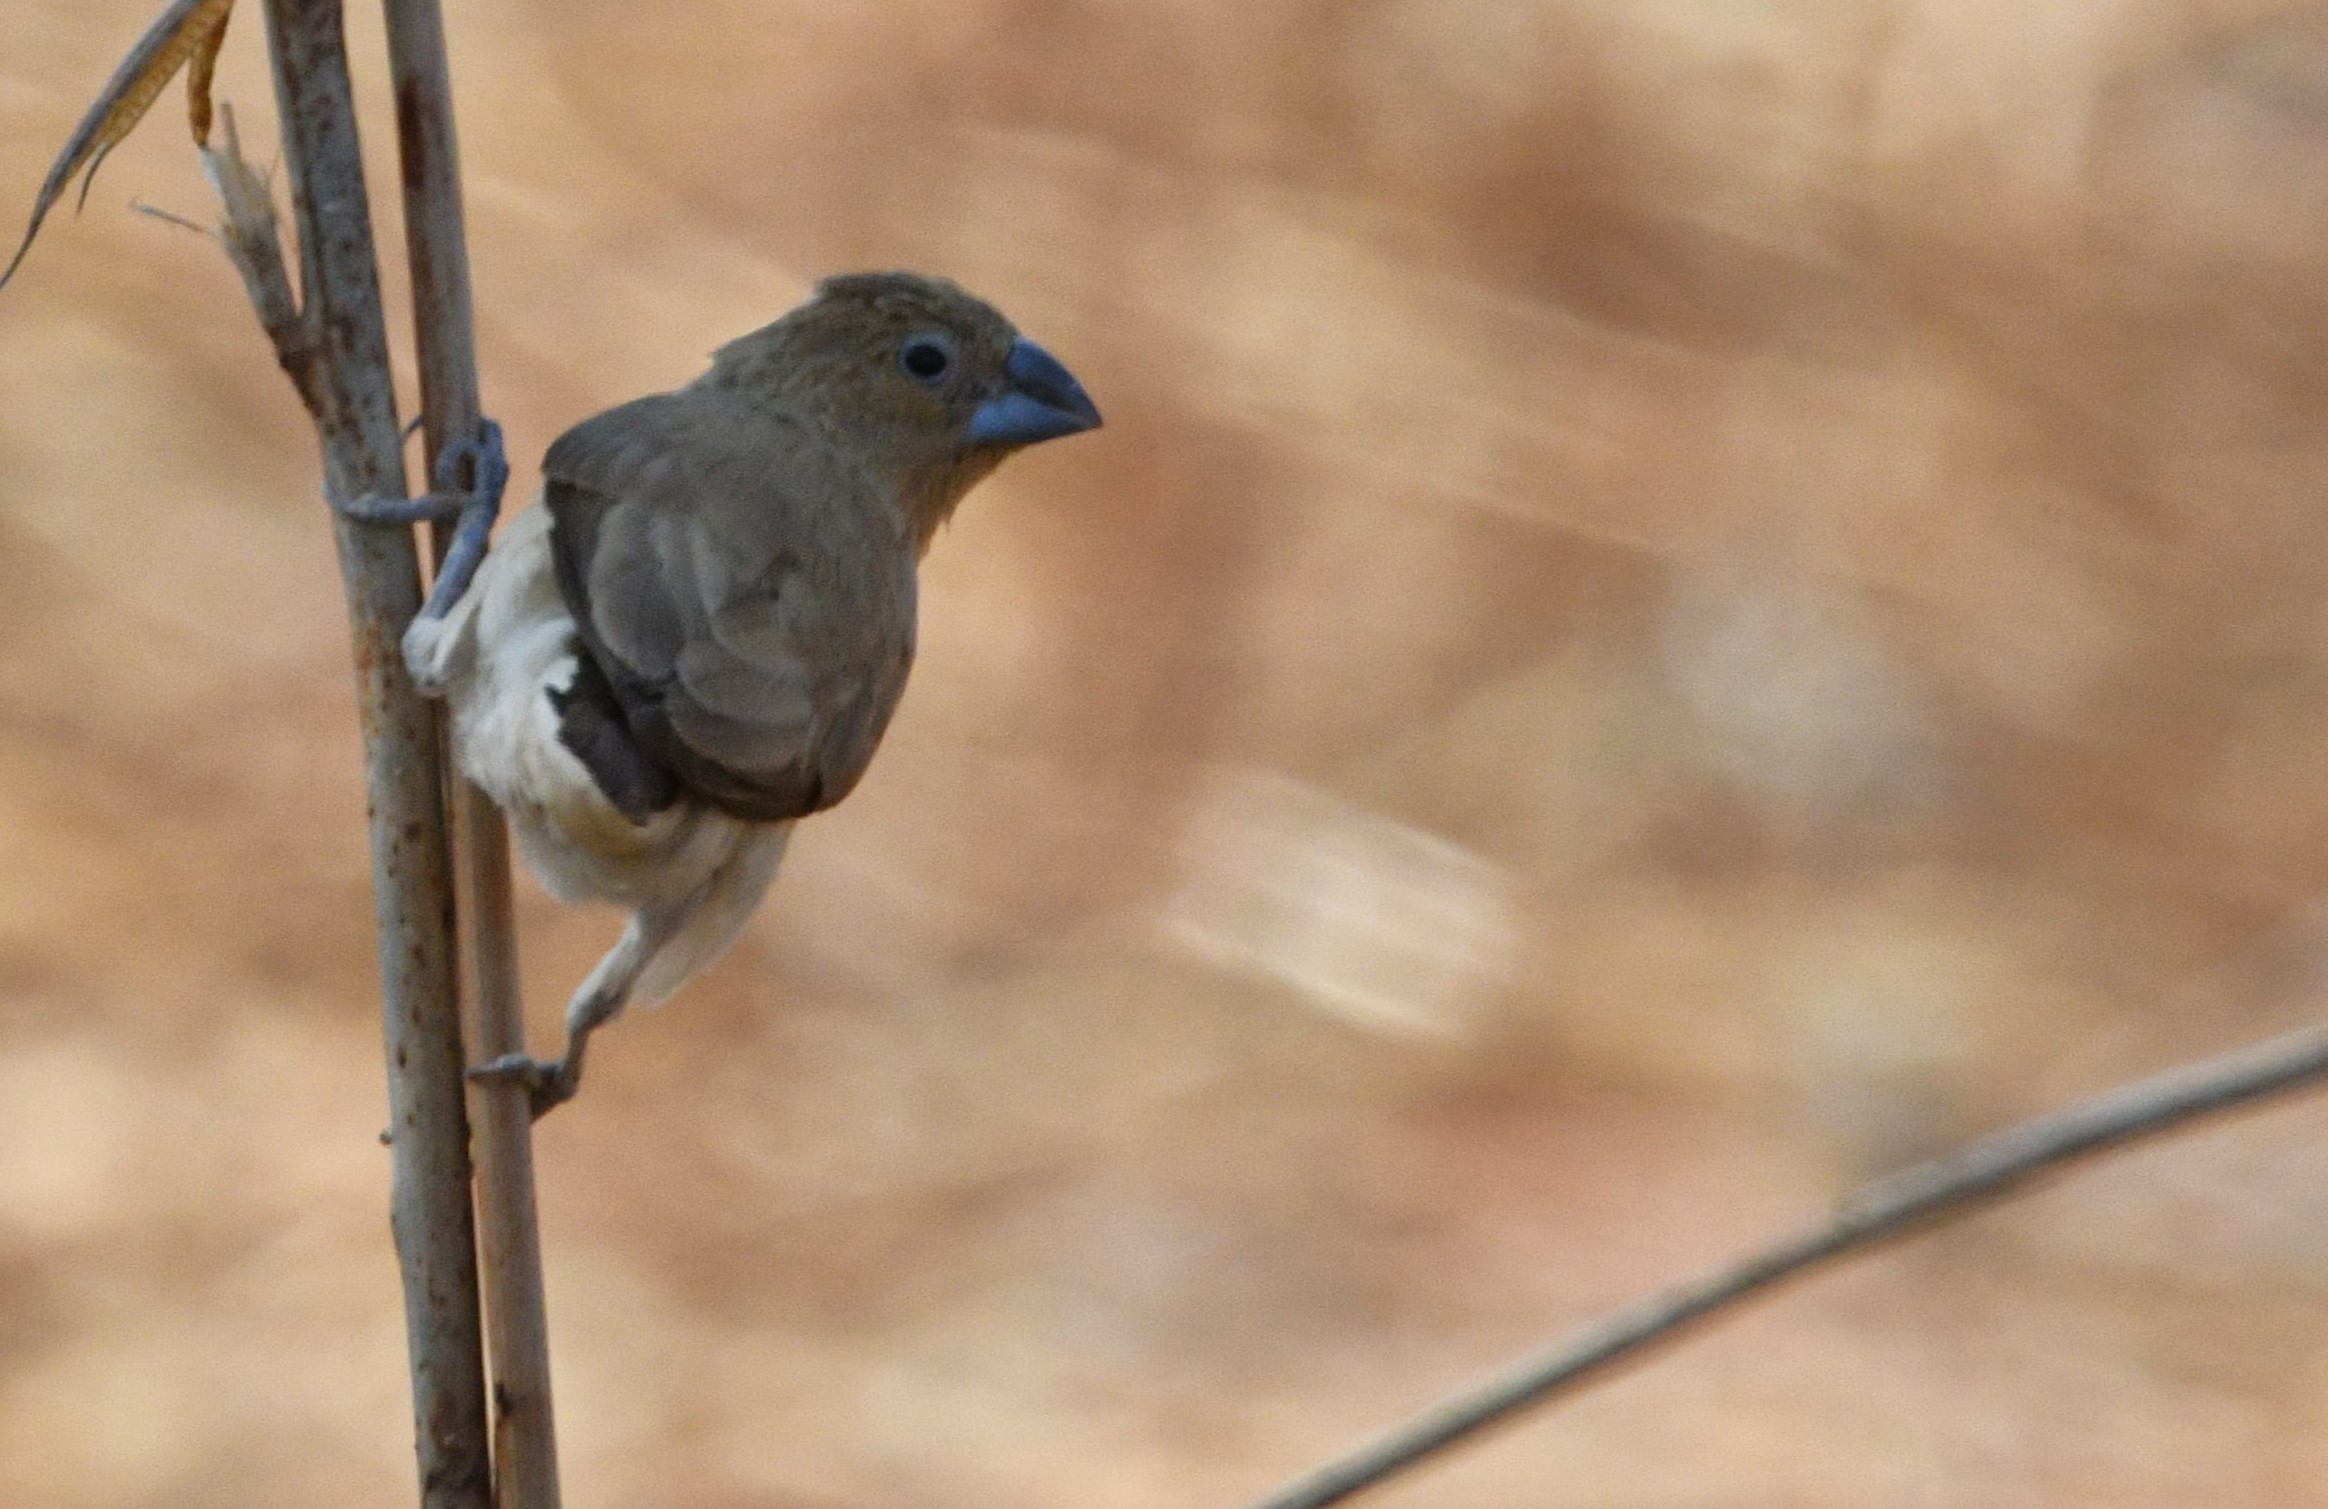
<point>488,464</point>
<point>475,505</point>
<point>547,1084</point>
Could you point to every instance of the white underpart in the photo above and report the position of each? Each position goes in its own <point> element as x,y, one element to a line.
<point>691,875</point>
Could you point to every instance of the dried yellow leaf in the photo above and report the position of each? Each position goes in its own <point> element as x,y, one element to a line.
<point>189,29</point>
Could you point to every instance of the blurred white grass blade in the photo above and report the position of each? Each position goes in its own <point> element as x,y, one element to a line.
<point>1370,920</point>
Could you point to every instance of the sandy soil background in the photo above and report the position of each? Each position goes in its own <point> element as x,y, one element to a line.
<point>1681,602</point>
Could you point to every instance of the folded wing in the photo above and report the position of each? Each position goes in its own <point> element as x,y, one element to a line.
<point>750,606</point>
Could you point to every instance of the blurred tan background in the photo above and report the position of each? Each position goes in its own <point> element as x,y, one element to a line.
<point>1680,603</point>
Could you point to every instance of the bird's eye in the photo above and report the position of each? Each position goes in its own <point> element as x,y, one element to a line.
<point>926,357</point>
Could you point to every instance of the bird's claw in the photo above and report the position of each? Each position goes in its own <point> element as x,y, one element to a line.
<point>475,506</point>
<point>488,464</point>
<point>547,1084</point>
<point>483,450</point>
<point>375,508</point>
<point>447,499</point>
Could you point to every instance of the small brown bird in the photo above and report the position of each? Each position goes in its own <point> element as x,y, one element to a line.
<point>698,635</point>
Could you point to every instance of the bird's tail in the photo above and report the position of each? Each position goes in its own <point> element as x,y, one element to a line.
<point>720,910</point>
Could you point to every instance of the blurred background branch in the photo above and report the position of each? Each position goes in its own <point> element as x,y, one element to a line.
<point>1896,1207</point>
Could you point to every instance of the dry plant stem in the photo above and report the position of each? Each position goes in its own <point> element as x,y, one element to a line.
<point>254,244</point>
<point>336,349</point>
<point>1885,1211</point>
<point>525,1451</point>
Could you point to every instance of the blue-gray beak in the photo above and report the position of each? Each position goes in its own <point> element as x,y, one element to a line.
<point>1043,402</point>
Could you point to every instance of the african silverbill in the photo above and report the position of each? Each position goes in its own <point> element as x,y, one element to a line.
<point>699,633</point>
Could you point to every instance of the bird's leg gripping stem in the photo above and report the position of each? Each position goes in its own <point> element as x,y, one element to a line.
<point>476,506</point>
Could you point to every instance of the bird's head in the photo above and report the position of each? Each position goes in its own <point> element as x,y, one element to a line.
<point>929,385</point>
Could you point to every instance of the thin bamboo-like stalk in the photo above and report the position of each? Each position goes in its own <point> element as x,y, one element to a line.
<point>525,1452</point>
<point>344,376</point>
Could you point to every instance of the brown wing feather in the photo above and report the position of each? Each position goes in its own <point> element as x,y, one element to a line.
<point>750,604</point>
